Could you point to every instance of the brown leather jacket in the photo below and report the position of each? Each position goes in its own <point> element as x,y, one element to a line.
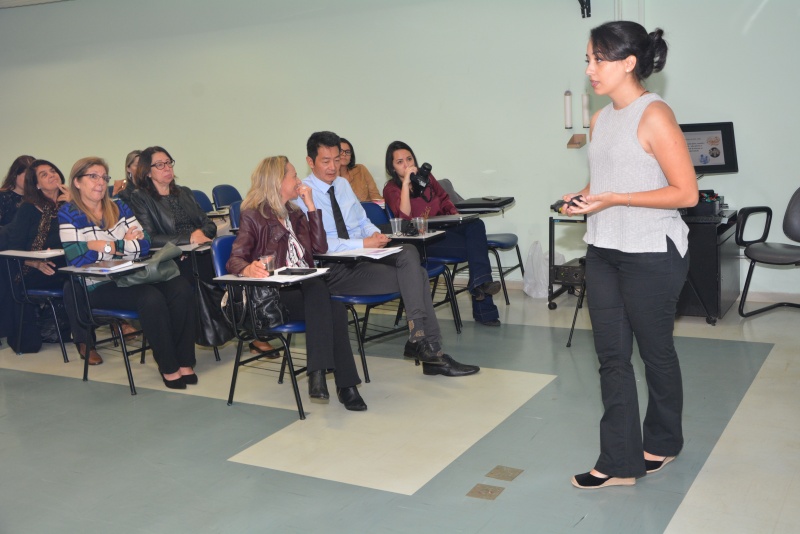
<point>259,235</point>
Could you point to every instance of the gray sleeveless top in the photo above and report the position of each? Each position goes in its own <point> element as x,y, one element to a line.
<point>618,163</point>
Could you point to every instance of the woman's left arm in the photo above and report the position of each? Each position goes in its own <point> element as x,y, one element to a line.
<point>446,206</point>
<point>661,136</point>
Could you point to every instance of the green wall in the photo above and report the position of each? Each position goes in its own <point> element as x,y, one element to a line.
<point>475,87</point>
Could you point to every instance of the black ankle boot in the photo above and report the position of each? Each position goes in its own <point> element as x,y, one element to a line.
<point>317,387</point>
<point>423,351</point>
<point>449,367</point>
<point>351,399</point>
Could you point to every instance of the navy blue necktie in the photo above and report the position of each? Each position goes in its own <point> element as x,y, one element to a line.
<point>341,228</point>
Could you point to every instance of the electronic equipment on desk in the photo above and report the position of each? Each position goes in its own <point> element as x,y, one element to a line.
<point>723,217</point>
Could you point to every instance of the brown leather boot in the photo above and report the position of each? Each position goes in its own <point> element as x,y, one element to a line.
<point>94,358</point>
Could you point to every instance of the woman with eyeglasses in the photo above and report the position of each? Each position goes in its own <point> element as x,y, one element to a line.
<point>169,212</point>
<point>361,181</point>
<point>93,228</point>
<point>465,241</point>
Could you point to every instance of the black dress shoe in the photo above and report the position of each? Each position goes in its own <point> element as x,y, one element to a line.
<point>190,379</point>
<point>317,387</point>
<point>351,399</point>
<point>178,383</point>
<point>487,288</point>
<point>449,367</point>
<point>423,351</point>
<point>493,322</point>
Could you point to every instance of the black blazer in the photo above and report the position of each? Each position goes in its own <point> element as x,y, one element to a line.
<point>158,220</point>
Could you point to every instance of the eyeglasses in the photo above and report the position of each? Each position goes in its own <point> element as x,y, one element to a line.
<point>345,152</point>
<point>97,177</point>
<point>161,164</point>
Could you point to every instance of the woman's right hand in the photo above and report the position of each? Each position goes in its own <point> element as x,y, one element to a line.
<point>198,237</point>
<point>407,175</point>
<point>46,267</point>
<point>255,270</point>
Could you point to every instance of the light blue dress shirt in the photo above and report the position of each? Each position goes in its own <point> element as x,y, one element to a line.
<point>355,218</point>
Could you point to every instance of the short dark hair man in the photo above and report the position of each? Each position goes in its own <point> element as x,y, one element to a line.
<point>351,229</point>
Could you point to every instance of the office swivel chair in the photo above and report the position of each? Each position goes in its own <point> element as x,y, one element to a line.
<point>759,251</point>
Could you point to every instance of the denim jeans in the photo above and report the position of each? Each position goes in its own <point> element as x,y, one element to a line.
<point>469,241</point>
<point>636,294</point>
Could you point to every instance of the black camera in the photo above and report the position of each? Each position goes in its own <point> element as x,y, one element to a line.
<point>420,180</point>
<point>558,205</point>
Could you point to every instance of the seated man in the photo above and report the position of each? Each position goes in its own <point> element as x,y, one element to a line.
<point>348,227</point>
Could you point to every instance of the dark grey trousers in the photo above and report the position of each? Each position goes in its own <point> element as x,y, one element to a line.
<point>399,272</point>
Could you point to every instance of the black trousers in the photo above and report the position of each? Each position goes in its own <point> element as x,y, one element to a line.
<point>167,312</point>
<point>327,338</point>
<point>636,295</point>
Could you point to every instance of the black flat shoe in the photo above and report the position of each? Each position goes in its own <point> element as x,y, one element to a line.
<point>178,383</point>
<point>351,399</point>
<point>317,387</point>
<point>653,466</point>
<point>487,288</point>
<point>589,481</point>
<point>449,367</point>
<point>271,353</point>
<point>190,379</point>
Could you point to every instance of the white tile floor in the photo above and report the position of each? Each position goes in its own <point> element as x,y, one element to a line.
<point>750,483</point>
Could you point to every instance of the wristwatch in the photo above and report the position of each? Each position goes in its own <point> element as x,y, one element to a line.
<point>107,248</point>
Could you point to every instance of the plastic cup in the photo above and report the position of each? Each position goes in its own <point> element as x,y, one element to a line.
<point>268,261</point>
<point>421,224</point>
<point>397,226</point>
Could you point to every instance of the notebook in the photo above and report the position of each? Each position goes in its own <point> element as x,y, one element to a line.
<point>484,202</point>
<point>450,220</point>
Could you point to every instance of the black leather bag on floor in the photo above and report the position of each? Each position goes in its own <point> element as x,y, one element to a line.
<point>213,329</point>
<point>269,310</point>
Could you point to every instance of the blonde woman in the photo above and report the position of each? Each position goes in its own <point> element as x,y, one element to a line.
<point>271,224</point>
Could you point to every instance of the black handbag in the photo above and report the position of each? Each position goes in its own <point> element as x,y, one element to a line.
<point>213,330</point>
<point>269,310</point>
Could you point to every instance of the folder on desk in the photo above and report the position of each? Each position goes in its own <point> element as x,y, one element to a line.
<point>484,202</point>
<point>450,220</point>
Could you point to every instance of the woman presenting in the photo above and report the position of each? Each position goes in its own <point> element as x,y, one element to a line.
<point>637,260</point>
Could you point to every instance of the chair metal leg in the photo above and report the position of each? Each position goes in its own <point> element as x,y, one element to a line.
<point>287,356</point>
<point>19,333</point>
<point>284,361</point>
<point>360,340</point>
<point>500,273</point>
<point>519,257</point>
<point>765,308</point>
<point>58,331</point>
<point>578,306</point>
<point>235,370</point>
<point>216,353</point>
<point>87,349</point>
<point>118,327</point>
<point>451,295</point>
